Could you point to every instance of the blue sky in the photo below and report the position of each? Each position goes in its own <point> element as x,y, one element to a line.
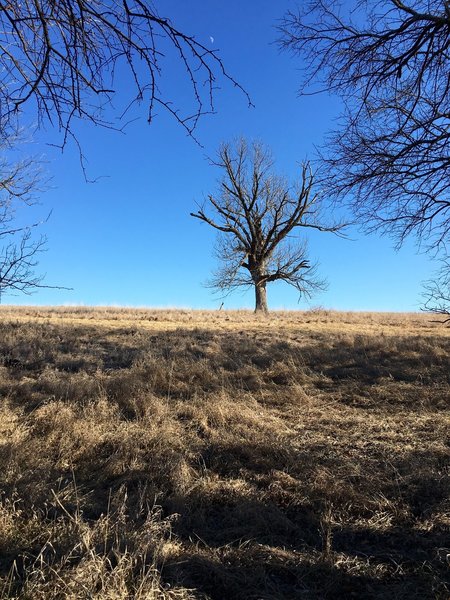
<point>128,239</point>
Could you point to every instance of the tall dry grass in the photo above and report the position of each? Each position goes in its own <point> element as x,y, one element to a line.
<point>194,455</point>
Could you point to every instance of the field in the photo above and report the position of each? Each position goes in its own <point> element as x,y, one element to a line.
<point>218,455</point>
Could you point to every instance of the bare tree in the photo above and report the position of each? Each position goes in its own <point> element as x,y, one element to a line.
<point>63,56</point>
<point>389,62</point>
<point>257,214</point>
<point>19,247</point>
<point>18,260</point>
<point>437,293</point>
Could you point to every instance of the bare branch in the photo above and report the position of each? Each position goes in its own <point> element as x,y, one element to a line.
<point>19,248</point>
<point>62,57</point>
<point>437,293</point>
<point>389,62</point>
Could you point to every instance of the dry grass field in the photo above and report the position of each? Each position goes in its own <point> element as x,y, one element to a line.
<point>218,455</point>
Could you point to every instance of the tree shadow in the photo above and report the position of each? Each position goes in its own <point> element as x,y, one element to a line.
<point>256,543</point>
<point>263,575</point>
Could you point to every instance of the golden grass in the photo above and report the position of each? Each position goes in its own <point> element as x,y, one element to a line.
<point>217,455</point>
<point>170,319</point>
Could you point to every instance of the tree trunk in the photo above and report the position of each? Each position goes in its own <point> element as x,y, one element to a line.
<point>261,298</point>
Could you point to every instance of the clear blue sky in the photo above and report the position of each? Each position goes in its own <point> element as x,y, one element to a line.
<point>128,239</point>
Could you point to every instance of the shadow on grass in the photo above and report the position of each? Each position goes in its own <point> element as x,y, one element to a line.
<point>262,575</point>
<point>245,536</point>
<point>261,544</point>
<point>253,521</point>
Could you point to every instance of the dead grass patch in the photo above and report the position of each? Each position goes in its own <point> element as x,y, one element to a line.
<point>156,455</point>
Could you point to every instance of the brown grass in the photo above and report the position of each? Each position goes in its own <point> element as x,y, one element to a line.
<point>198,455</point>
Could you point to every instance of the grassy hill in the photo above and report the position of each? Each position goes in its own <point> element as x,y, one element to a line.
<point>217,455</point>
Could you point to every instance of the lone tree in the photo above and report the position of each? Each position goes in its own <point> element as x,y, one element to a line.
<point>257,214</point>
<point>63,56</point>
<point>389,62</point>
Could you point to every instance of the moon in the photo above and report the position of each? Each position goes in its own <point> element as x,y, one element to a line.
<point>211,39</point>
